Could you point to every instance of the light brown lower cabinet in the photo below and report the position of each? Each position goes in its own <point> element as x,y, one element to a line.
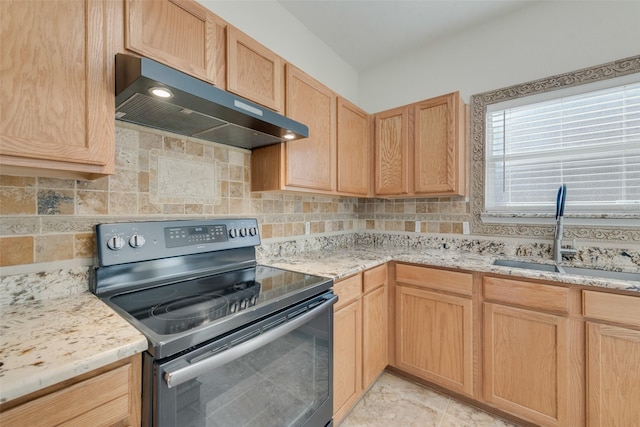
<point>375,324</point>
<point>550,354</point>
<point>434,330</point>
<point>532,354</point>
<point>109,396</point>
<point>360,337</point>
<point>526,363</point>
<point>613,359</point>
<point>347,345</point>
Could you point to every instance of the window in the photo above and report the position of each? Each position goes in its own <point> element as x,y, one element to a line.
<point>587,137</point>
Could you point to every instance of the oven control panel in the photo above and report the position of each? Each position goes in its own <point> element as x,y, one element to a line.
<point>140,241</point>
<point>193,235</point>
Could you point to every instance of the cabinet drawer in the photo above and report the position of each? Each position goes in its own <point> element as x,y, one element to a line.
<point>348,290</point>
<point>374,278</point>
<point>533,295</point>
<point>612,307</point>
<point>101,400</point>
<point>433,278</point>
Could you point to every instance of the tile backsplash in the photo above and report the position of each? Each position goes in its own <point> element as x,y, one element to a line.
<point>163,177</point>
<point>157,177</point>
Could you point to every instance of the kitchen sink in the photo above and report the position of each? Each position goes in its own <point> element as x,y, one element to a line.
<point>591,272</point>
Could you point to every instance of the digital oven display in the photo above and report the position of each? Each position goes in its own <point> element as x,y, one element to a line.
<point>198,230</point>
<point>187,236</point>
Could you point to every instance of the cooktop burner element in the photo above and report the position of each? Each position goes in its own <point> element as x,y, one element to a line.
<point>189,312</point>
<point>181,291</point>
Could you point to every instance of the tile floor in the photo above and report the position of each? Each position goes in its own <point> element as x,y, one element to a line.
<point>393,401</point>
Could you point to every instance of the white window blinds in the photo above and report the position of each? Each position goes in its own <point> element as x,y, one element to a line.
<point>589,141</point>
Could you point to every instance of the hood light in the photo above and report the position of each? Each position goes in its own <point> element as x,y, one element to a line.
<point>161,92</point>
<point>289,135</point>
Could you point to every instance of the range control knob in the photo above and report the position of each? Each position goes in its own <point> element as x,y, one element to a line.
<point>136,241</point>
<point>115,243</point>
<point>233,233</point>
<point>253,231</point>
<point>243,232</point>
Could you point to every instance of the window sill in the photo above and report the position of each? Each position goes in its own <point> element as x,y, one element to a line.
<point>600,220</point>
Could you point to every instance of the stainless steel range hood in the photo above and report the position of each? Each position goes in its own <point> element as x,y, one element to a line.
<point>195,108</point>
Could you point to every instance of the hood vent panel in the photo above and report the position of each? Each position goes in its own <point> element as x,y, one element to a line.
<point>157,114</point>
<point>196,109</point>
<point>238,136</point>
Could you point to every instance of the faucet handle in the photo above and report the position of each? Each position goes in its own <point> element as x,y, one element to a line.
<point>569,251</point>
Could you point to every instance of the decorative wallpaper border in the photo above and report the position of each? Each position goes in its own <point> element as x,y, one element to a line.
<point>478,109</point>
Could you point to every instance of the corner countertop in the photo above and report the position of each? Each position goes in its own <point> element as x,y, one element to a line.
<point>341,263</point>
<point>45,342</point>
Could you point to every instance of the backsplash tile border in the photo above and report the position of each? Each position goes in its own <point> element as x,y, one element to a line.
<point>57,283</point>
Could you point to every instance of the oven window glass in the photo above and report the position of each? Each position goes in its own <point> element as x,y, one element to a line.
<point>283,383</point>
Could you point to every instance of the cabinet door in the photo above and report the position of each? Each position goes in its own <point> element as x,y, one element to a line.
<point>109,396</point>
<point>613,377</point>
<point>178,33</point>
<point>354,149</point>
<point>311,162</point>
<point>440,146</point>
<point>392,152</point>
<point>347,356</point>
<point>374,335</point>
<point>434,337</point>
<point>253,71</point>
<point>56,88</point>
<point>526,363</point>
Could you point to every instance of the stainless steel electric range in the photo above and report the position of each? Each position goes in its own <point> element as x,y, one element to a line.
<point>231,342</point>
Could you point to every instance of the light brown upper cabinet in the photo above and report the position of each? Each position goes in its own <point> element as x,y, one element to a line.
<point>177,33</point>
<point>354,149</point>
<point>56,88</point>
<point>392,148</point>
<point>439,151</point>
<point>307,164</point>
<point>311,162</point>
<point>432,133</point>
<point>253,71</point>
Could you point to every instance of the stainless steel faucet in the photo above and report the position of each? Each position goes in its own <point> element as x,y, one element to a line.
<point>558,250</point>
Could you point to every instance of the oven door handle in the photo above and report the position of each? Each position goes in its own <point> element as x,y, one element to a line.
<point>179,376</point>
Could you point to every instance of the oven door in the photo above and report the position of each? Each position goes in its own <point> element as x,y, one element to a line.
<point>275,372</point>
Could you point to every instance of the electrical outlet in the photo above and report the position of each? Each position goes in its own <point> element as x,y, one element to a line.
<point>465,228</point>
<point>417,228</point>
<point>307,227</point>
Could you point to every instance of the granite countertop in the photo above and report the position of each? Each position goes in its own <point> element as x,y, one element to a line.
<point>46,342</point>
<point>341,263</point>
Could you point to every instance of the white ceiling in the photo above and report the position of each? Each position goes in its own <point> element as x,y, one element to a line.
<point>366,33</point>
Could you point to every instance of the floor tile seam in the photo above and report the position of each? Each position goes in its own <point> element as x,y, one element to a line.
<point>444,412</point>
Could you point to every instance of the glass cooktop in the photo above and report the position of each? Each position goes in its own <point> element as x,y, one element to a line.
<point>180,307</point>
